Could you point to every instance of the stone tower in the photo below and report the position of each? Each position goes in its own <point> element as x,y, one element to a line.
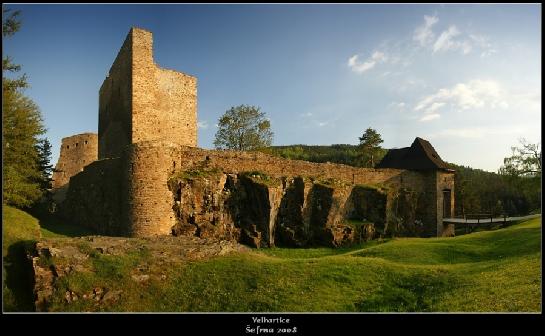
<point>77,151</point>
<point>139,101</point>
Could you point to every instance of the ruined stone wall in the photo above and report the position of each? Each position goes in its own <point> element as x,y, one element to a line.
<point>236,162</point>
<point>145,205</point>
<point>150,163</point>
<point>149,202</point>
<point>77,151</point>
<point>141,102</point>
<point>115,105</point>
<point>94,198</point>
<point>164,101</point>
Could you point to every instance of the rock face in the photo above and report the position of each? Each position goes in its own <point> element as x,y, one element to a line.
<point>53,259</point>
<point>263,211</point>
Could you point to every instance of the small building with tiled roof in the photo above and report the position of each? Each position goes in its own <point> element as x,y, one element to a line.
<point>421,156</point>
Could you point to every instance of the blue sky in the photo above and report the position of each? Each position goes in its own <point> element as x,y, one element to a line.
<point>465,77</point>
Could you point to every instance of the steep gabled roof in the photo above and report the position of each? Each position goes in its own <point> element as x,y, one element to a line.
<point>420,156</point>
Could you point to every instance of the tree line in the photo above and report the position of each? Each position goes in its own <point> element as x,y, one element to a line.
<point>514,190</point>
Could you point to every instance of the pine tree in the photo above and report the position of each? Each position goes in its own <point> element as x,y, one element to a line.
<point>22,127</point>
<point>370,151</point>
<point>44,164</point>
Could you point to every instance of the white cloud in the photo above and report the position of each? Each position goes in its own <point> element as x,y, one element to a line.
<point>307,115</point>
<point>368,64</point>
<point>451,39</point>
<point>483,42</point>
<point>445,41</point>
<point>203,124</point>
<point>474,94</point>
<point>424,34</point>
<point>434,107</point>
<point>322,123</point>
<point>429,117</point>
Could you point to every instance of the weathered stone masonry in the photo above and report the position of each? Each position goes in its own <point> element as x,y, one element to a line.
<point>148,135</point>
<point>77,151</point>
<point>139,101</point>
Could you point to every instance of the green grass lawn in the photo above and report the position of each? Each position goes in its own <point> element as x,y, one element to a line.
<point>479,272</point>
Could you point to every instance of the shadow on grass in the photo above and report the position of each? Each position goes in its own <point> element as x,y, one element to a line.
<point>417,292</point>
<point>19,282</point>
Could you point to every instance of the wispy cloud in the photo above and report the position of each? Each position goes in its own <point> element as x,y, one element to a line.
<point>430,117</point>
<point>202,124</point>
<point>451,39</point>
<point>368,64</point>
<point>484,44</point>
<point>447,41</point>
<point>471,95</point>
<point>424,33</point>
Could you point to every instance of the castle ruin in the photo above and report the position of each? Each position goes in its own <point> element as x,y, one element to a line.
<point>144,176</point>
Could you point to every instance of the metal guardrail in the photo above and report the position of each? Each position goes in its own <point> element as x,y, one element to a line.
<point>472,224</point>
<point>488,220</point>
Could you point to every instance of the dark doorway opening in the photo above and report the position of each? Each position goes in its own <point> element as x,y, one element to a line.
<point>446,203</point>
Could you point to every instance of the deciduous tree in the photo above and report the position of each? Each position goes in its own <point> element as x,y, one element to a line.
<point>243,128</point>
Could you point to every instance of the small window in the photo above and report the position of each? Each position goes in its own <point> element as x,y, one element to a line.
<point>86,142</point>
<point>67,146</point>
<point>76,144</point>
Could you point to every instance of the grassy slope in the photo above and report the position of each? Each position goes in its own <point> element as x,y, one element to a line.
<point>485,271</point>
<point>19,230</point>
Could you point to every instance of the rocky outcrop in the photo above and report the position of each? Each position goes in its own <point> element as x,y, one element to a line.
<point>263,211</point>
<point>202,204</point>
<point>293,220</point>
<point>55,259</point>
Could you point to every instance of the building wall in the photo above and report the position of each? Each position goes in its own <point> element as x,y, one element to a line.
<point>148,205</point>
<point>76,152</point>
<point>164,101</point>
<point>141,102</point>
<point>150,163</point>
<point>115,105</point>
<point>94,198</point>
